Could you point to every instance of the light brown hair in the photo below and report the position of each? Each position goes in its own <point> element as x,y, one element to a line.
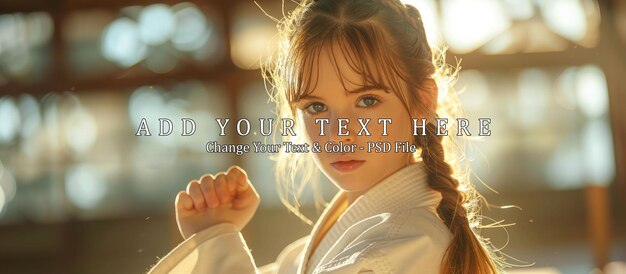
<point>385,42</point>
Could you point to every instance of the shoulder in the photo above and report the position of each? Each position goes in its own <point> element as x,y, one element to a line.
<point>409,241</point>
<point>423,222</point>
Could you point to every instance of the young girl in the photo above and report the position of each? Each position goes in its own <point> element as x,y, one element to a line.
<point>395,212</point>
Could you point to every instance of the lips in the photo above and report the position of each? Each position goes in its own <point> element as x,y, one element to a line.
<point>347,165</point>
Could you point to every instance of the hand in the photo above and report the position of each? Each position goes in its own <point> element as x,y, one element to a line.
<point>224,198</point>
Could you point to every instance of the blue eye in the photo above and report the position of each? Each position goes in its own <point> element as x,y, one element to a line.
<point>316,108</point>
<point>367,101</point>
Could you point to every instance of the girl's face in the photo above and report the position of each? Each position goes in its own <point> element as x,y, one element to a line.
<point>358,171</point>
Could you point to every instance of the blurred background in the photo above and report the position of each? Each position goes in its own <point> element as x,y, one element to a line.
<point>80,193</point>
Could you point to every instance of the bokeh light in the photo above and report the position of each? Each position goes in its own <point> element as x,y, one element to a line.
<point>591,91</point>
<point>84,186</point>
<point>51,124</point>
<point>564,169</point>
<point>566,17</point>
<point>2,200</point>
<point>9,120</point>
<point>30,114</point>
<point>156,24</point>
<point>121,43</point>
<point>598,158</point>
<point>161,60</point>
<point>534,87</point>
<point>22,37</point>
<point>80,131</point>
<point>145,102</point>
<point>161,36</point>
<point>519,9</point>
<point>192,28</point>
<point>8,185</point>
<point>469,24</point>
<point>565,94</point>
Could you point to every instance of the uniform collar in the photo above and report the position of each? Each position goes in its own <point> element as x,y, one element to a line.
<point>404,189</point>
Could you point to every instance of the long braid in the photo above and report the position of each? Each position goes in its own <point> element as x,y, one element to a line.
<point>440,177</point>
<point>465,253</point>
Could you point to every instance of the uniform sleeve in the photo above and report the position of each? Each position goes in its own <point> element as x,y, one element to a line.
<point>288,259</point>
<point>218,249</point>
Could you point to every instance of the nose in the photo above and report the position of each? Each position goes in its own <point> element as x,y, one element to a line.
<point>342,123</point>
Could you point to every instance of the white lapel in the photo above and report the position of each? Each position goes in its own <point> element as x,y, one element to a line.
<point>316,230</point>
<point>405,188</point>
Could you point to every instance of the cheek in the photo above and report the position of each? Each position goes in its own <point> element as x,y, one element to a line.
<point>399,129</point>
<point>402,129</point>
<point>311,129</point>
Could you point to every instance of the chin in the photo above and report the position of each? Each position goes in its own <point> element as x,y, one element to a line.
<point>349,183</point>
<point>345,180</point>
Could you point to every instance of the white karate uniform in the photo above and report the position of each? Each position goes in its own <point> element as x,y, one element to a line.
<point>392,228</point>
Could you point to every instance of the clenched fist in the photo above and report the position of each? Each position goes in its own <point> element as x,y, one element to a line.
<point>224,198</point>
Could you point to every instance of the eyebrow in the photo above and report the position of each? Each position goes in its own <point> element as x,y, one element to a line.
<point>368,88</point>
<point>358,90</point>
<point>308,97</point>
